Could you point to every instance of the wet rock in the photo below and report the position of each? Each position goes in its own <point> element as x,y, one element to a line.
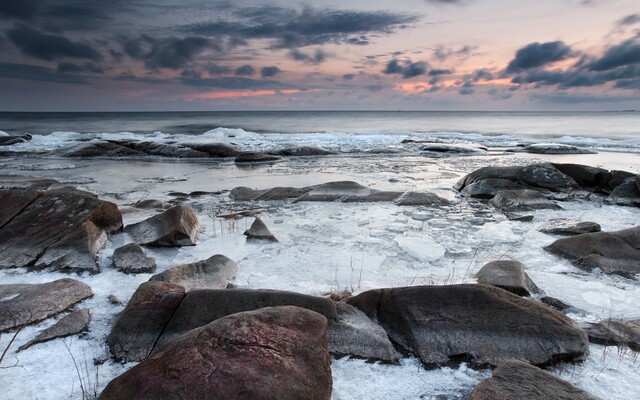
<point>612,252</point>
<point>555,303</point>
<point>100,149</point>
<point>131,259</point>
<point>441,149</point>
<point>554,148</point>
<point>593,179</point>
<point>113,299</point>
<point>149,204</point>
<point>520,218</point>
<point>335,191</point>
<point>281,193</point>
<point>61,228</point>
<point>617,178</point>
<point>25,304</point>
<point>72,324</point>
<point>568,227</point>
<point>490,187</point>
<point>422,199</point>
<point>143,320</point>
<point>11,140</point>
<point>303,151</point>
<point>254,157</point>
<point>259,231</point>
<point>178,226</point>
<point>201,306</point>
<point>509,275</point>
<point>615,331</point>
<point>162,149</point>
<point>216,150</point>
<point>515,379</point>
<point>273,353</point>
<point>478,323</point>
<point>14,202</point>
<point>212,273</point>
<point>354,334</point>
<point>627,193</point>
<point>522,200</point>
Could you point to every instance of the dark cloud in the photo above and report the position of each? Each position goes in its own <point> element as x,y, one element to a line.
<point>268,72</point>
<point>623,54</point>
<point>171,52</point>
<point>348,77</point>
<point>438,72</point>
<point>466,91</point>
<point>629,20</point>
<point>234,83</point>
<point>71,68</point>
<point>568,98</point>
<point>37,73</point>
<point>18,9</point>
<point>215,69</point>
<point>190,73</point>
<point>409,70</point>
<point>537,54</point>
<point>49,47</point>
<point>317,58</point>
<point>482,74</point>
<point>442,53</point>
<point>291,28</point>
<point>245,70</point>
<point>129,77</point>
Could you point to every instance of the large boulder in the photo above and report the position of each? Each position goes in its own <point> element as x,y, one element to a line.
<point>490,187</point>
<point>72,324</point>
<point>478,323</point>
<point>99,149</point>
<point>515,379</point>
<point>201,306</point>
<point>590,178</point>
<point>612,252</point>
<point>131,259</point>
<point>522,200</point>
<point>616,331</point>
<point>178,226</point>
<point>273,353</point>
<point>509,275</point>
<point>249,157</point>
<point>149,310</point>
<point>627,193</point>
<point>568,227</point>
<point>24,304</point>
<point>60,228</point>
<point>355,335</point>
<point>212,273</point>
<point>259,231</point>
<point>215,149</point>
<point>554,148</point>
<point>303,151</point>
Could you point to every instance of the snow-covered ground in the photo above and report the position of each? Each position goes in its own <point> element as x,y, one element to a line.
<point>326,247</point>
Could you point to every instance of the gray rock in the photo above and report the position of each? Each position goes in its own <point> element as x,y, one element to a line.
<point>162,149</point>
<point>509,275</point>
<point>490,187</point>
<point>568,227</point>
<point>441,149</point>
<point>201,306</point>
<point>479,323</point>
<point>612,252</point>
<point>131,259</point>
<point>556,148</point>
<point>25,304</point>
<point>99,149</point>
<point>555,303</point>
<point>335,191</point>
<point>215,149</point>
<point>514,379</point>
<point>72,324</point>
<point>259,231</point>
<point>615,331</point>
<point>254,157</point>
<point>303,151</point>
<point>522,200</point>
<point>354,334</point>
<point>422,199</point>
<point>14,139</point>
<point>593,179</point>
<point>149,310</point>
<point>616,179</point>
<point>178,226</point>
<point>212,273</point>
<point>150,204</point>
<point>627,193</point>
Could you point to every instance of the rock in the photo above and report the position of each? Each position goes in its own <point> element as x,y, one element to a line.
<point>520,218</point>
<point>162,149</point>
<point>243,193</point>
<point>335,191</point>
<point>303,151</point>
<point>478,323</point>
<point>131,259</point>
<point>10,182</point>
<point>202,306</point>
<point>178,226</point>
<point>113,299</point>
<point>567,227</point>
<point>149,310</point>
<point>556,148</point>
<point>515,379</point>
<point>593,179</point>
<point>441,149</point>
<point>14,202</point>
<point>60,228</point>
<point>616,179</point>
<point>555,303</point>
<point>25,304</point>
<point>254,157</point>
<point>421,199</point>
<point>74,323</point>
<point>150,204</point>
<point>99,149</point>
<point>522,200</point>
<point>212,273</point>
<point>11,140</point>
<point>612,252</point>
<point>214,149</point>
<point>281,193</point>
<point>509,275</point>
<point>627,193</point>
<point>614,331</point>
<point>490,187</point>
<point>259,231</point>
<point>273,353</point>
<point>354,334</point>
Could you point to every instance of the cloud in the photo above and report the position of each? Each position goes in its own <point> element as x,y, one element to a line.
<point>628,52</point>
<point>71,68</point>
<point>629,20</point>
<point>49,47</point>
<point>19,9</point>
<point>317,58</point>
<point>291,28</point>
<point>567,98</point>
<point>170,52</point>
<point>438,72</point>
<point>234,83</point>
<point>538,54</point>
<point>268,72</point>
<point>466,91</point>
<point>245,70</point>
<point>348,77</point>
<point>457,2</point>
<point>482,74</point>
<point>442,53</point>
<point>409,70</point>
<point>215,69</point>
<point>37,73</point>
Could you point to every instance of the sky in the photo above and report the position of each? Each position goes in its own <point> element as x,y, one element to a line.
<point>166,55</point>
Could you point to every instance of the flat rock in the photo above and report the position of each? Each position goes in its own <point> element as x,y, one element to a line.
<point>616,331</point>
<point>515,379</point>
<point>149,310</point>
<point>212,273</point>
<point>215,149</point>
<point>132,259</point>
<point>60,228</point>
<point>335,191</point>
<point>509,275</point>
<point>554,148</point>
<point>178,226</point>
<point>162,149</point>
<point>422,199</point>
<point>490,187</point>
<point>259,231</point>
<point>522,200</point>
<point>355,335</point>
<point>477,323</point>
<point>14,202</point>
<point>303,151</point>
<point>555,303</point>
<point>201,306</point>
<point>254,157</point>
<point>590,178</point>
<point>612,252</point>
<point>442,149</point>
<point>99,149</point>
<point>25,304</point>
<point>273,353</point>
<point>568,227</point>
<point>72,324</point>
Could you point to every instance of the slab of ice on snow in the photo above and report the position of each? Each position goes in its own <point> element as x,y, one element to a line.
<point>422,248</point>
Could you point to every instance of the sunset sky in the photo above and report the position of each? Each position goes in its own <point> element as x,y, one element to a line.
<point>133,55</point>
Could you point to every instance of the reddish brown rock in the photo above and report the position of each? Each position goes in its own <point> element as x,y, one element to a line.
<point>131,259</point>
<point>272,353</point>
<point>178,226</point>
<point>259,231</point>
<point>212,273</point>
<point>74,323</point>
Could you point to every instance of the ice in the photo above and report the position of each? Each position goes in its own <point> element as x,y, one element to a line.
<point>422,248</point>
